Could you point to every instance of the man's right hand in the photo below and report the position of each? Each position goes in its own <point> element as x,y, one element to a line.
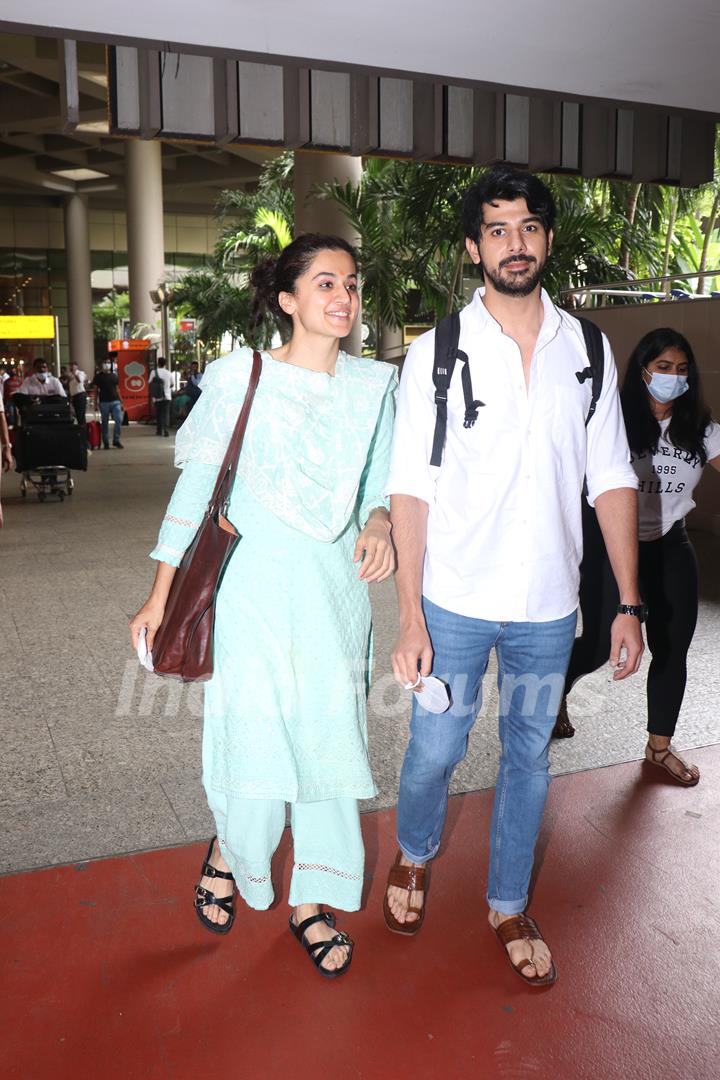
<point>413,651</point>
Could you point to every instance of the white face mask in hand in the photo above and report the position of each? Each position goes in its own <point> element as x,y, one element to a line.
<point>144,655</point>
<point>432,694</point>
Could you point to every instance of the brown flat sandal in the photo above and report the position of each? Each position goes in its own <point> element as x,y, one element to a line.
<point>411,878</point>
<point>659,758</point>
<point>523,928</point>
<point>563,728</point>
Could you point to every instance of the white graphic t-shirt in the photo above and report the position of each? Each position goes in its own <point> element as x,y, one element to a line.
<point>667,480</point>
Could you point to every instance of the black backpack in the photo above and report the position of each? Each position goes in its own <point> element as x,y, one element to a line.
<point>447,339</point>
<point>157,388</point>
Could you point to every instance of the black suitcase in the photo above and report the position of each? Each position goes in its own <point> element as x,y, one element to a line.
<point>57,411</point>
<point>51,444</point>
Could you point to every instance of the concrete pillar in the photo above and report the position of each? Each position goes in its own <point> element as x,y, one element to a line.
<point>391,344</point>
<point>145,235</point>
<point>77,251</point>
<point>323,216</point>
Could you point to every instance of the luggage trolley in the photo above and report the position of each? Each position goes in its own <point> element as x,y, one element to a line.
<point>48,480</point>
<point>50,443</point>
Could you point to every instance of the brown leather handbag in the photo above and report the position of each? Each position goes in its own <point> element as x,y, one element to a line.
<point>183,645</point>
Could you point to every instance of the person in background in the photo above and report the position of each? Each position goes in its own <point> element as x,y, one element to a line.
<point>41,384</point>
<point>5,448</point>
<point>192,386</point>
<point>106,384</point>
<point>77,391</point>
<point>11,385</point>
<point>161,394</point>
<point>64,378</point>
<point>672,437</point>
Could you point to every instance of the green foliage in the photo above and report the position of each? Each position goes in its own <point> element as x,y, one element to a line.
<point>412,250</point>
<point>407,217</point>
<point>107,312</point>
<point>218,303</point>
<point>255,225</point>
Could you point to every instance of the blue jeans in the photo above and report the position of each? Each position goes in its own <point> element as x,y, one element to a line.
<point>108,409</point>
<point>532,661</point>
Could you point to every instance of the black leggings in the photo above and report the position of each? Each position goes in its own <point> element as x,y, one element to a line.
<point>669,587</point>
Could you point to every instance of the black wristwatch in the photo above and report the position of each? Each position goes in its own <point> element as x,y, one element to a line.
<point>638,610</point>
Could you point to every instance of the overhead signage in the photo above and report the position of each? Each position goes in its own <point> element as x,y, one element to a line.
<point>27,327</point>
<point>139,344</point>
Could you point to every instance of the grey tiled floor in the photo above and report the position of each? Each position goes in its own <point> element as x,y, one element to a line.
<point>99,758</point>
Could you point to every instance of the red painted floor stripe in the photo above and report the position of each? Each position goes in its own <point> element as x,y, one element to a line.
<point>107,972</point>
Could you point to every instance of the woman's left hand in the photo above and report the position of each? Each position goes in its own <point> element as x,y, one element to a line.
<point>374,541</point>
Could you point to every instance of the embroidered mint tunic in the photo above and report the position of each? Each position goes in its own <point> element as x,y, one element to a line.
<point>285,713</point>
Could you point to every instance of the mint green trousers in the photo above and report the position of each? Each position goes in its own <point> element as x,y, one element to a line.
<point>328,851</point>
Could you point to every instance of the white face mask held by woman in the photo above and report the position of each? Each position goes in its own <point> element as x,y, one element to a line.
<point>665,388</point>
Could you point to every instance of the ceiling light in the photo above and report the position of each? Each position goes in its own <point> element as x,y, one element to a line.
<point>80,174</point>
<point>97,77</point>
<point>100,127</point>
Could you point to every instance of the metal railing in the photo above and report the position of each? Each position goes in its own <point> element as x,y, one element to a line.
<point>670,287</point>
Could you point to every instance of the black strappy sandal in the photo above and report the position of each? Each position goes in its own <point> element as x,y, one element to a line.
<point>320,949</point>
<point>204,898</point>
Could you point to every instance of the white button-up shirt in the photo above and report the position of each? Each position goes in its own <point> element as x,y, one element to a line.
<point>77,383</point>
<point>33,387</point>
<point>504,534</point>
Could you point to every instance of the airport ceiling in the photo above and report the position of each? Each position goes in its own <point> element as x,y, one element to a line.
<point>616,89</point>
<point>38,159</point>
<point>652,52</point>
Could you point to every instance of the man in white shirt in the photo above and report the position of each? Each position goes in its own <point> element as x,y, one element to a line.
<point>77,389</point>
<point>41,383</point>
<point>161,396</point>
<point>489,545</point>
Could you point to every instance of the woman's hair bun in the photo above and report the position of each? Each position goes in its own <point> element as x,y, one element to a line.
<point>262,277</point>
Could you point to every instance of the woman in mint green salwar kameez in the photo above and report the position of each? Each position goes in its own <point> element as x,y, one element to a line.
<point>284,718</point>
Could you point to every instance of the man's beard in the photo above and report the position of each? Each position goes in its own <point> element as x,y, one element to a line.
<point>515,286</point>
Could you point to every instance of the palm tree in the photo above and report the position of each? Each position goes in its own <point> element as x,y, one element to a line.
<point>218,303</point>
<point>372,211</point>
<point>255,225</point>
<point>711,190</point>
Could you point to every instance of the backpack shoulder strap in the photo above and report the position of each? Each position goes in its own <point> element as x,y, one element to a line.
<point>447,338</point>
<point>596,356</point>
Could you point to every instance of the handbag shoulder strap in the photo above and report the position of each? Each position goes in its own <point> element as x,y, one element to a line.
<point>226,475</point>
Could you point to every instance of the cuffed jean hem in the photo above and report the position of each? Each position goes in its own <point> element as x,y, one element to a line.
<point>507,907</point>
<point>419,860</point>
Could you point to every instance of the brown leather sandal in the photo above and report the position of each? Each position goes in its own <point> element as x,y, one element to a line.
<point>563,728</point>
<point>411,878</point>
<point>652,756</point>
<point>523,928</point>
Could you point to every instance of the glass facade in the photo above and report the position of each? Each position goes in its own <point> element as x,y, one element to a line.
<point>33,282</point>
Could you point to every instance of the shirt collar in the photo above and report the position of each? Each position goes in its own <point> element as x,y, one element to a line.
<point>485,321</point>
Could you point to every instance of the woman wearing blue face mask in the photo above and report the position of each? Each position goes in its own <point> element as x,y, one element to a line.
<point>672,437</point>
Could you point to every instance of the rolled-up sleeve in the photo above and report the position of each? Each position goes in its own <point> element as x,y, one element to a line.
<point>410,469</point>
<point>608,454</point>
